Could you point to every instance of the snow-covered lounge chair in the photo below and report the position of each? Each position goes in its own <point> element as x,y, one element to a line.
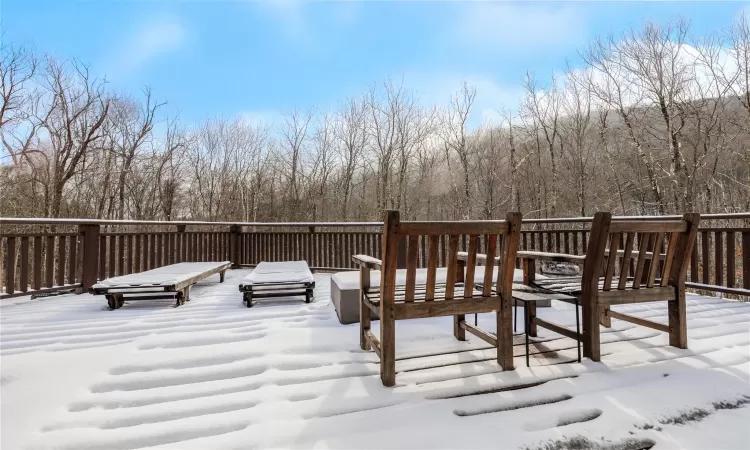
<point>278,279</point>
<point>173,280</point>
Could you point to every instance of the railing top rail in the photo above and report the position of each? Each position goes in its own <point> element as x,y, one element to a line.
<point>50,221</point>
<point>704,217</point>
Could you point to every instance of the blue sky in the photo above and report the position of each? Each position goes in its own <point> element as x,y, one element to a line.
<point>264,58</point>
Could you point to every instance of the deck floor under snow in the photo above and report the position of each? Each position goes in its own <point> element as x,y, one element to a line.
<point>214,374</point>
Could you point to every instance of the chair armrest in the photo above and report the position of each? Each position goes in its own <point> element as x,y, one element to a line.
<point>555,257</point>
<point>481,258</point>
<point>367,261</point>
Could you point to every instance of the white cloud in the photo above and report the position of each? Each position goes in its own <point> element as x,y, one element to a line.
<point>492,97</point>
<point>508,27</point>
<point>288,13</point>
<point>147,42</point>
<point>264,118</point>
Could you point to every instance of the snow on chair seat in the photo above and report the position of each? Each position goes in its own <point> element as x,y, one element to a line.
<point>172,280</point>
<point>278,279</point>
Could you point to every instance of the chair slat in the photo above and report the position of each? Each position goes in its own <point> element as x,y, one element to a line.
<point>625,264</point>
<point>614,246</point>
<point>411,266</point>
<point>489,265</point>
<point>432,260</point>
<point>655,260</point>
<point>671,246</point>
<point>644,239</point>
<point>471,264</point>
<point>450,279</point>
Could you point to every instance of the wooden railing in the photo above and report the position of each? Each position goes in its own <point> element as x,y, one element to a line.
<point>39,256</point>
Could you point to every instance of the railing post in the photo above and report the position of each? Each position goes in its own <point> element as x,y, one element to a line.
<point>310,244</point>
<point>181,244</point>
<point>746,259</point>
<point>89,239</point>
<point>234,249</point>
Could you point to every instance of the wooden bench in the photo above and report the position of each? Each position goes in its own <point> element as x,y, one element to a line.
<point>606,281</point>
<point>173,280</point>
<point>455,296</point>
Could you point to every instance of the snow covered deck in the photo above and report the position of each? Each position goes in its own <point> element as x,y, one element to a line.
<point>214,374</point>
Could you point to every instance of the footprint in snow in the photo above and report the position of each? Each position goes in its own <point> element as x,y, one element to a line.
<point>561,420</point>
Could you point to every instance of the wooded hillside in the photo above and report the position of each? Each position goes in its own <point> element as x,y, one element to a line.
<point>654,122</point>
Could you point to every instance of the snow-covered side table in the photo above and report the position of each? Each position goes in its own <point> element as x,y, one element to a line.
<point>345,296</point>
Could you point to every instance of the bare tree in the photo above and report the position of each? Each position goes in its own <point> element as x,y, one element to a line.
<point>350,130</point>
<point>455,132</point>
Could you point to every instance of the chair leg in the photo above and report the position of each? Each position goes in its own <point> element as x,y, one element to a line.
<point>604,319</point>
<point>578,332</point>
<point>591,337</point>
<point>459,332</point>
<point>678,320</point>
<point>529,312</point>
<point>526,333</point>
<point>515,315</point>
<point>387,348</point>
<point>504,326</point>
<point>364,323</point>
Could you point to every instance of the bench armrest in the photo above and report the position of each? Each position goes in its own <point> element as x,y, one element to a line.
<point>481,258</point>
<point>367,261</point>
<point>555,257</point>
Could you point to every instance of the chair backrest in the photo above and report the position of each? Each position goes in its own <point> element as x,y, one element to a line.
<point>500,237</point>
<point>656,251</point>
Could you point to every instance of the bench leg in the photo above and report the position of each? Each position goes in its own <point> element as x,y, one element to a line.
<point>677,320</point>
<point>459,332</point>
<point>221,276</point>
<point>115,301</point>
<point>187,293</point>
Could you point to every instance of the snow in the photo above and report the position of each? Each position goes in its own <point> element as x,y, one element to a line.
<point>215,374</point>
<point>279,272</point>
<point>162,276</point>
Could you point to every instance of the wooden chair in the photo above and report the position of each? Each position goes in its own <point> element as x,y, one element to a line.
<point>456,297</point>
<point>605,282</point>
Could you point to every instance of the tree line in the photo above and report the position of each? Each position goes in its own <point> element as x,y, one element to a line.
<point>654,121</point>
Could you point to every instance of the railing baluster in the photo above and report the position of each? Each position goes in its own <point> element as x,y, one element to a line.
<point>23,284</point>
<point>746,259</point>
<point>61,260</point>
<point>37,265</point>
<point>731,275</point>
<point>719,258</point>
<point>49,261</point>
<point>705,259</point>
<point>10,268</point>
<point>73,260</point>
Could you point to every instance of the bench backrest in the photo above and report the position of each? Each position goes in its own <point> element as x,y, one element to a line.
<point>500,237</point>
<point>616,245</point>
